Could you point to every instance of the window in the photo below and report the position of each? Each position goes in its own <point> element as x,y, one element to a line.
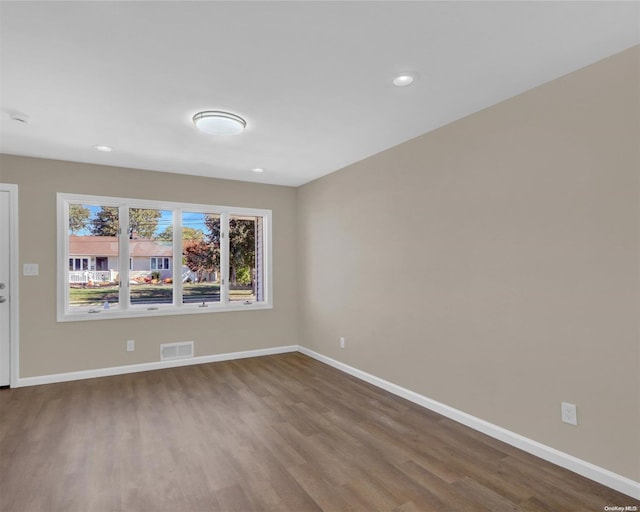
<point>201,257</point>
<point>128,257</point>
<point>160,263</point>
<point>78,264</point>
<point>245,258</point>
<point>150,233</point>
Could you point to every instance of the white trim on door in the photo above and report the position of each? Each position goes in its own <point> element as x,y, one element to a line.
<point>13,283</point>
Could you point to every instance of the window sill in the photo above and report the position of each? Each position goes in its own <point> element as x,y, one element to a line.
<point>142,312</point>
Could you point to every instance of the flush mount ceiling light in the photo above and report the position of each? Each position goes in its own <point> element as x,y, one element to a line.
<point>258,169</point>
<point>215,122</point>
<point>104,149</point>
<point>404,79</point>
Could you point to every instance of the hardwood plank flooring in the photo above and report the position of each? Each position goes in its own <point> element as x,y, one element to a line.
<point>275,433</point>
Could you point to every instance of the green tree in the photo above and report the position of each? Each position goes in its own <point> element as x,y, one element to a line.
<point>242,245</point>
<point>212,222</point>
<point>187,234</point>
<point>78,217</point>
<point>242,249</point>
<point>213,226</point>
<point>105,223</point>
<point>142,222</point>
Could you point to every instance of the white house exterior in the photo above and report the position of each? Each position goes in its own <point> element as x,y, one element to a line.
<point>95,258</point>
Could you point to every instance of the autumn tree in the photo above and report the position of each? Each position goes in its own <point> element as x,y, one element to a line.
<point>142,222</point>
<point>201,257</point>
<point>78,217</point>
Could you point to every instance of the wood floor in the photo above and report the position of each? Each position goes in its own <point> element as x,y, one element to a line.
<point>275,433</point>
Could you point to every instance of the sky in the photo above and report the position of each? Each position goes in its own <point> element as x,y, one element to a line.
<point>193,220</point>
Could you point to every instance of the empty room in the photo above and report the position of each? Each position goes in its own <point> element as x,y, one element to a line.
<point>319,256</point>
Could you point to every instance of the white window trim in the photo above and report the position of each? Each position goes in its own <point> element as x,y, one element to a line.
<point>126,310</point>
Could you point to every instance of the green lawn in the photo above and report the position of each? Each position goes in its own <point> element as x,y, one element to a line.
<point>92,296</point>
<point>152,293</point>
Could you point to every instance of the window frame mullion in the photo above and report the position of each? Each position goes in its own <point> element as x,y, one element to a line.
<point>224,258</point>
<point>177,258</point>
<point>124,294</point>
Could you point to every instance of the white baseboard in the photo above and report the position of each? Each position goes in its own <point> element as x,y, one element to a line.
<point>143,367</point>
<point>579,466</point>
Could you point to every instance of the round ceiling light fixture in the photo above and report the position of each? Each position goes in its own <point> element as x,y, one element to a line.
<point>404,79</point>
<point>215,122</point>
<point>258,169</point>
<point>103,148</point>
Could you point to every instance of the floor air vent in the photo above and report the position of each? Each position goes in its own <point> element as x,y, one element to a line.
<point>181,350</point>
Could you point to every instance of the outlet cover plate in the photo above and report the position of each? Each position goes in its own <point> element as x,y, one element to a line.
<point>569,413</point>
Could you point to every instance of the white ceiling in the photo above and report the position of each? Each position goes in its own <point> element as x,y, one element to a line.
<point>312,79</point>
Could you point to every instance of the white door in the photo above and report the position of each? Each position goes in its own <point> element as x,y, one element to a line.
<point>5,299</point>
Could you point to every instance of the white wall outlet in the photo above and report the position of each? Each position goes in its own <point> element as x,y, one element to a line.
<point>569,413</point>
<point>131,345</point>
<point>341,342</point>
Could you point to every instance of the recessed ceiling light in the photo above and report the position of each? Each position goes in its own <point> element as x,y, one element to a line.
<point>21,118</point>
<point>258,169</point>
<point>104,149</point>
<point>215,122</point>
<point>404,79</point>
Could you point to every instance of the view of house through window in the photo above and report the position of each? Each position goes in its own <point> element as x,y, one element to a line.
<point>150,234</point>
<point>93,256</point>
<point>217,259</point>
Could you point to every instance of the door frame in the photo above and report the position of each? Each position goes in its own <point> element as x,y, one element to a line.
<point>13,284</point>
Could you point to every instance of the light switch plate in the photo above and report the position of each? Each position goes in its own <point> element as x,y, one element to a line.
<point>30,269</point>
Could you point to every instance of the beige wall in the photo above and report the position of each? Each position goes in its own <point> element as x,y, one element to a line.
<point>493,265</point>
<point>48,347</point>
